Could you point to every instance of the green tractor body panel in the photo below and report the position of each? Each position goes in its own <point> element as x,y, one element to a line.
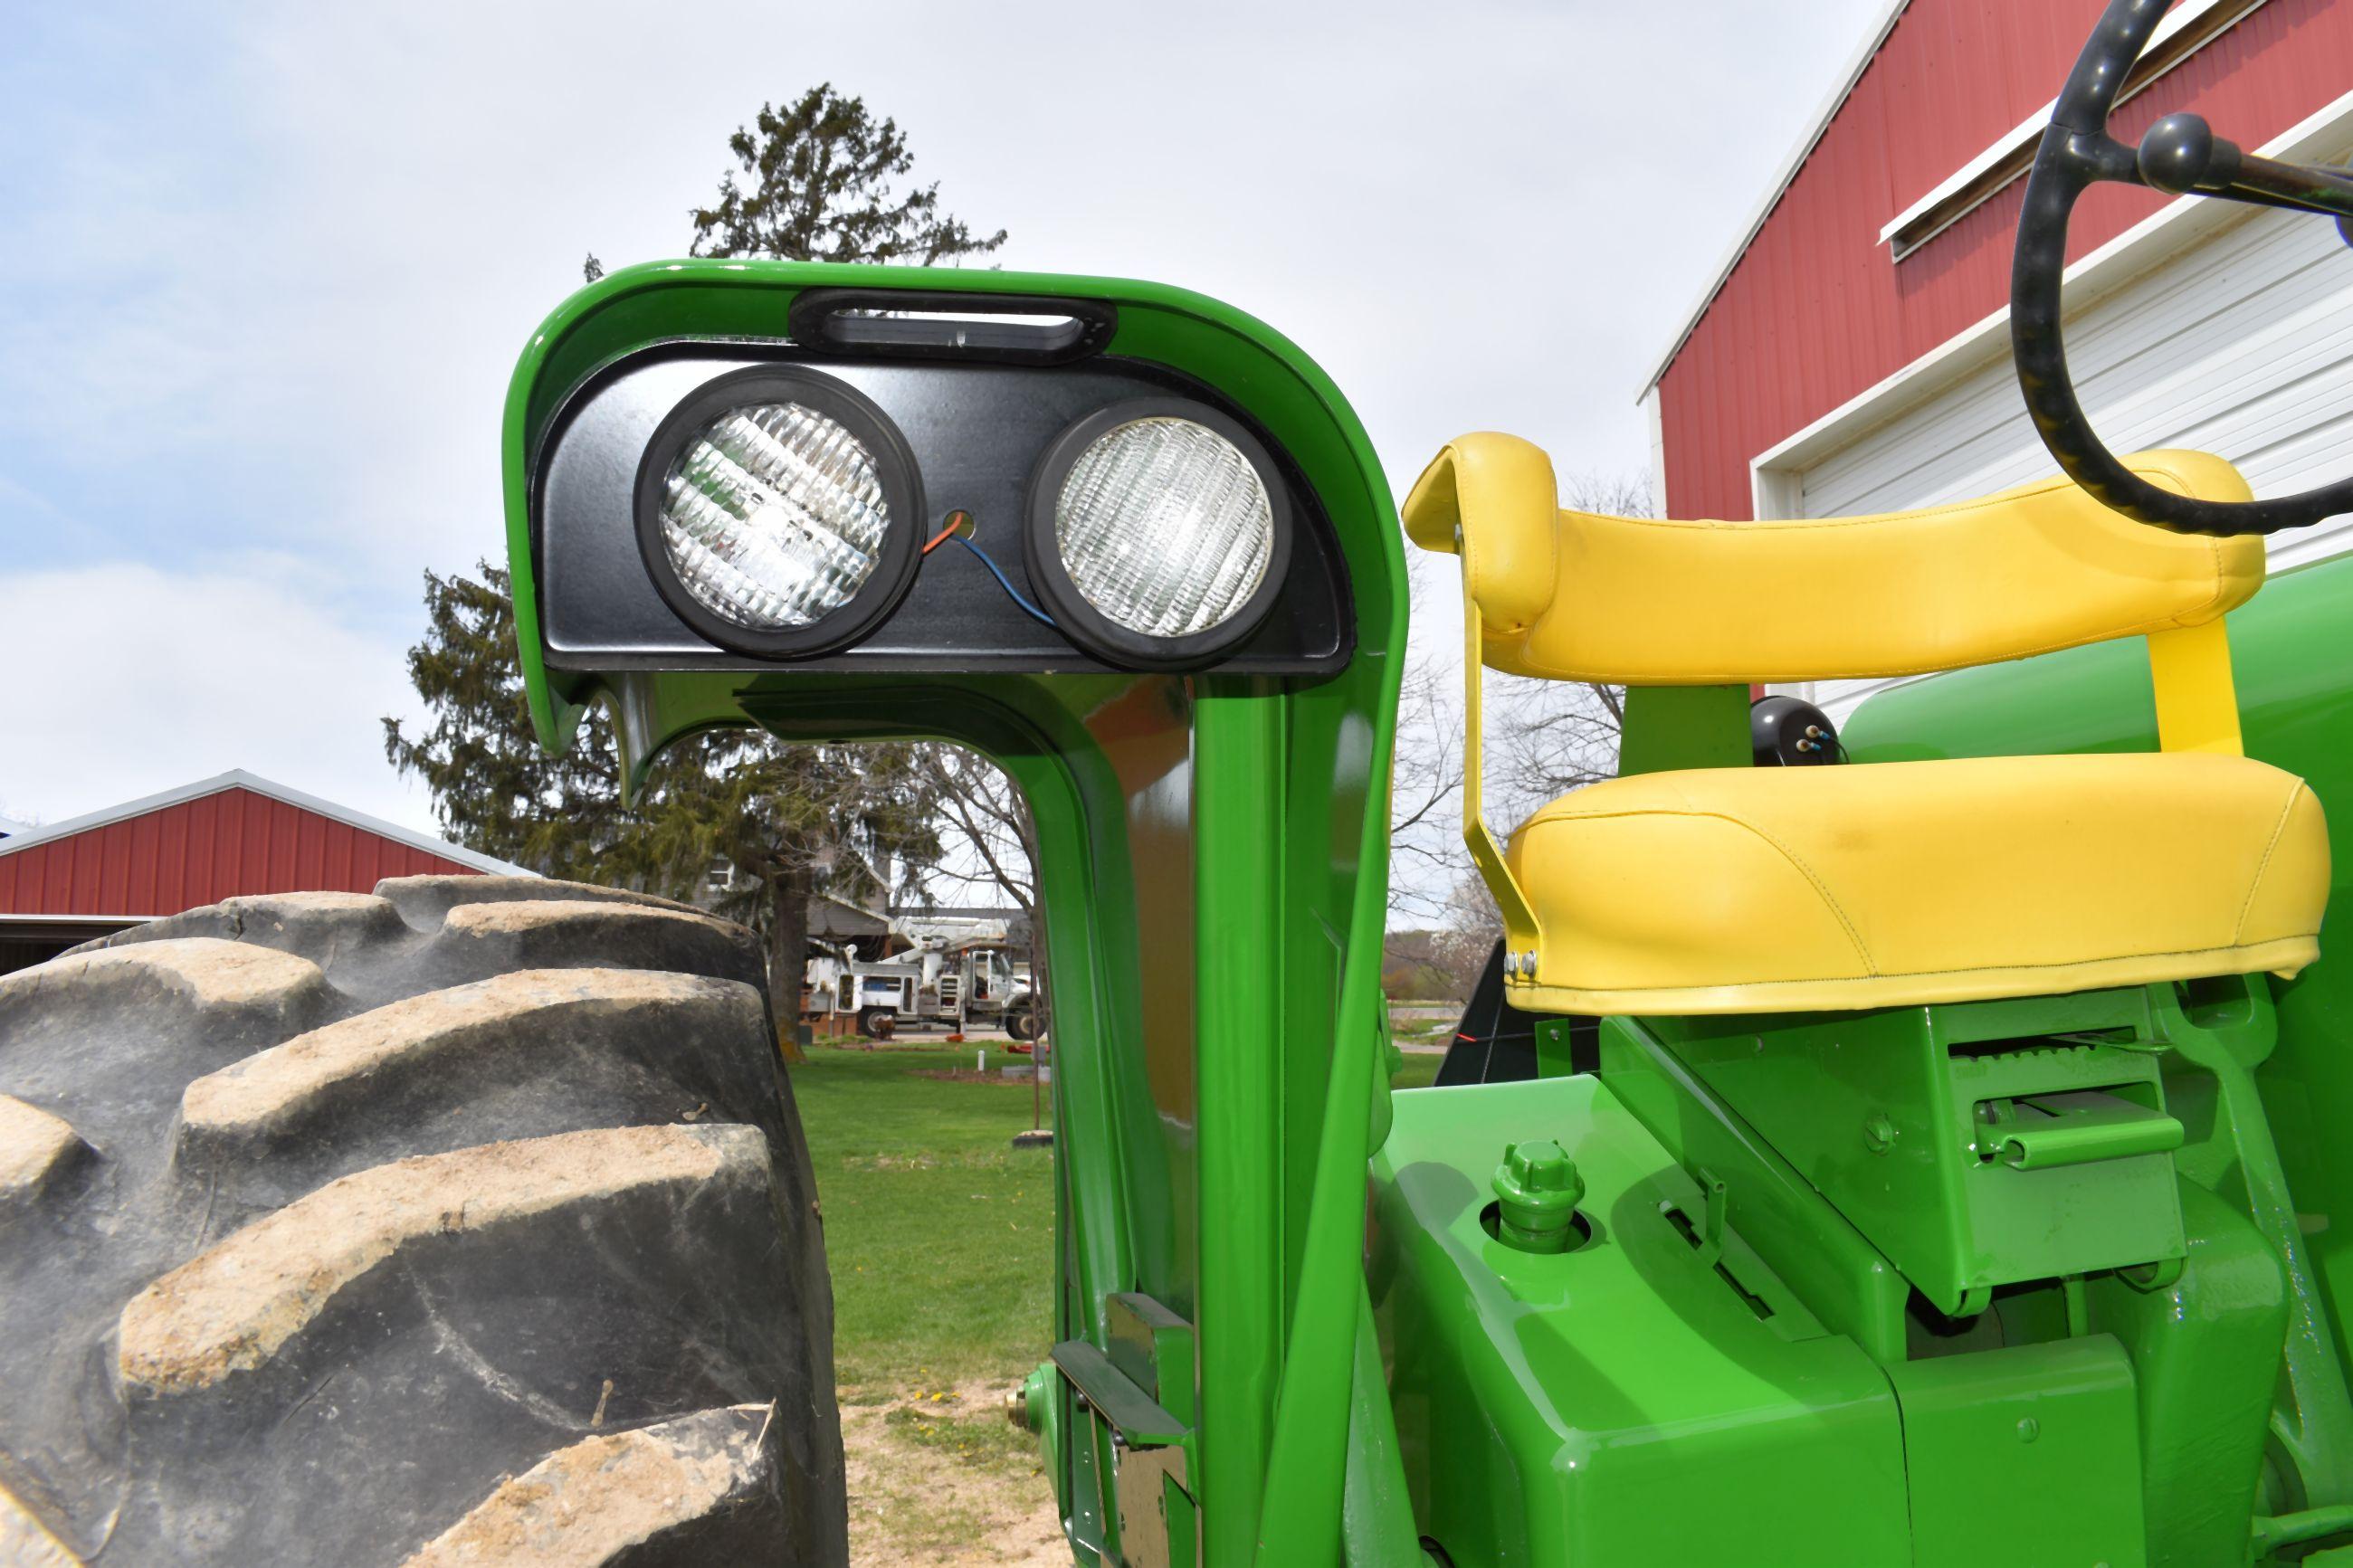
<point>1213,879</point>
<point>1625,1401</point>
<point>2051,1279</point>
<point>2294,663</point>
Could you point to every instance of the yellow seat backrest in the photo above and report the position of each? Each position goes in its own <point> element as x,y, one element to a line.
<point>1570,595</point>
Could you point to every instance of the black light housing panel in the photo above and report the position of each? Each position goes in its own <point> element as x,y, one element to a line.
<point>727,504</point>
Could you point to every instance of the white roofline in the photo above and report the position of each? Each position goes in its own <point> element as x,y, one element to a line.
<point>237,778</point>
<point>2194,13</point>
<point>1855,66</point>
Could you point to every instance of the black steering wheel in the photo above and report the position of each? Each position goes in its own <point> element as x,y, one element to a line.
<point>2179,154</point>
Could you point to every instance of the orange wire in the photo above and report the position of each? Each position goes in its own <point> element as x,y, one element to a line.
<point>955,520</point>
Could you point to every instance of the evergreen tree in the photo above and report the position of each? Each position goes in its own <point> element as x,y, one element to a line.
<point>779,823</point>
<point>823,175</point>
<point>733,820</point>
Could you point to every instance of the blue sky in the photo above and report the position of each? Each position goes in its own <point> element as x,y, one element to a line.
<point>264,269</point>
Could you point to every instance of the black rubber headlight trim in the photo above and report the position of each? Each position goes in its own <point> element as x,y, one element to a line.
<point>1088,627</point>
<point>902,494</point>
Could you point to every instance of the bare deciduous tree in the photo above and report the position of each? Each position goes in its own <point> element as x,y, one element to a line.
<point>1554,736</point>
<point>1425,821</point>
<point>1468,930</point>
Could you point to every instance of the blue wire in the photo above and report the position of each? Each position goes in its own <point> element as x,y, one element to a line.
<point>1005,582</point>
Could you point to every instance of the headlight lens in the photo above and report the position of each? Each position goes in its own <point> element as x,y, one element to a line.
<point>774,516</point>
<point>1165,527</point>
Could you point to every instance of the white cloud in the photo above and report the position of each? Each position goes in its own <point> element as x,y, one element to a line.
<point>128,681</point>
<point>265,292</point>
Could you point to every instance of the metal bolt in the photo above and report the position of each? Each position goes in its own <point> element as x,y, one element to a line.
<point>1878,1132</point>
<point>1536,1191</point>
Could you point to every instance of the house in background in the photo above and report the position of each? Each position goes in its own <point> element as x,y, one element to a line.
<point>1853,355</point>
<point>68,882</point>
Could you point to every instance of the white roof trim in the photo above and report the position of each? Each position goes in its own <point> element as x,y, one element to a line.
<point>9,824</point>
<point>237,778</point>
<point>2010,145</point>
<point>1855,66</point>
<point>2192,13</point>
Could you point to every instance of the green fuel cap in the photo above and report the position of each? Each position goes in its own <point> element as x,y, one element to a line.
<point>1537,1191</point>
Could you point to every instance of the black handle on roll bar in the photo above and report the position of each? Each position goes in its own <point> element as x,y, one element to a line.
<point>2182,154</point>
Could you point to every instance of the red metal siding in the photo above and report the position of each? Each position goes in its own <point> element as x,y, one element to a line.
<point>1816,314</point>
<point>200,851</point>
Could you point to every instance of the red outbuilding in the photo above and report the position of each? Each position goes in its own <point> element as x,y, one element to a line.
<point>1852,355</point>
<point>70,881</point>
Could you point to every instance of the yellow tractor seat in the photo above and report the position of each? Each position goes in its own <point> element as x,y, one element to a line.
<point>1768,889</point>
<point>1779,889</point>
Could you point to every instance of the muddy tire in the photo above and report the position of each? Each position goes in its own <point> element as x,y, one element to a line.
<point>467,1222</point>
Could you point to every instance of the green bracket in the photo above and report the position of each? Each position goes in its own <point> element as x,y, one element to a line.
<point>1975,1144</point>
<point>2226,1029</point>
<point>1830,1267</point>
<point>1553,1057</point>
<point>1129,1388</point>
<point>1136,1416</point>
<point>1669,727</point>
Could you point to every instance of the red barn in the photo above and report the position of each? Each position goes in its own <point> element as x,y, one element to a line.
<point>1852,356</point>
<point>70,881</point>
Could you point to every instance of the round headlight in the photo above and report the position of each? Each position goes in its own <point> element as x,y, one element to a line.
<point>773,515</point>
<point>1158,535</point>
<point>778,511</point>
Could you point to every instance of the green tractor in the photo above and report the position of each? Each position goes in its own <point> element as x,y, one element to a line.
<point>1910,1145</point>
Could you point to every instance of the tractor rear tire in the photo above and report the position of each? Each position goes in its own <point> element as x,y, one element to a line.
<point>467,1222</point>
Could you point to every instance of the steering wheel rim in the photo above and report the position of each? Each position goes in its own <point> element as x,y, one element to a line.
<point>2076,153</point>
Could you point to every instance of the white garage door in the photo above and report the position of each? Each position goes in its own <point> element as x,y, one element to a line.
<point>2242,346</point>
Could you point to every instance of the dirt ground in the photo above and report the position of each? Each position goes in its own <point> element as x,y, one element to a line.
<point>938,1477</point>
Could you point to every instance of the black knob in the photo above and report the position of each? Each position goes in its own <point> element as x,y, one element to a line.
<point>1789,733</point>
<point>2180,153</point>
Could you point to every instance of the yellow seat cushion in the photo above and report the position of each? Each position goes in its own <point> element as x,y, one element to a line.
<point>1787,889</point>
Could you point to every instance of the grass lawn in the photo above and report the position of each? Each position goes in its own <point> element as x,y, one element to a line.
<point>940,1232</point>
<point>1421,1068</point>
<point>940,1235</point>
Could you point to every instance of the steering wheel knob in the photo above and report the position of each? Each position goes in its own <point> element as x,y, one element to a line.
<point>2178,154</point>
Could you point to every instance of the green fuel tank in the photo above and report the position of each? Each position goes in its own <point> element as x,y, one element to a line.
<point>2291,652</point>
